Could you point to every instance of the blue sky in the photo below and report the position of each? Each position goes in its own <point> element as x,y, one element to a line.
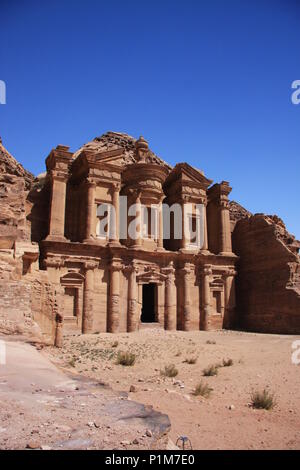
<point>207,82</point>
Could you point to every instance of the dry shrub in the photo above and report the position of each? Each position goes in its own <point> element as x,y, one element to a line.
<point>126,358</point>
<point>211,370</point>
<point>202,389</point>
<point>263,400</point>
<point>169,371</point>
<point>191,360</point>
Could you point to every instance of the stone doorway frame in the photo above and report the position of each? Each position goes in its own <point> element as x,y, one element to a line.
<point>150,276</point>
<point>74,280</point>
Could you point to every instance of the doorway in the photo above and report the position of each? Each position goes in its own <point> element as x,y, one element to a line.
<point>149,303</point>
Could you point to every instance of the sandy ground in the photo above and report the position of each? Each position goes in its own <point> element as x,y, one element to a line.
<point>225,420</point>
<point>42,407</point>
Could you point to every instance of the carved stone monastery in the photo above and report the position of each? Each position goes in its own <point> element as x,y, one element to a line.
<point>60,272</point>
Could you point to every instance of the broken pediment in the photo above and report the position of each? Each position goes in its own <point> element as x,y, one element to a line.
<point>187,174</point>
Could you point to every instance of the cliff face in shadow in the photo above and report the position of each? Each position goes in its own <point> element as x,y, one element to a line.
<point>268,280</point>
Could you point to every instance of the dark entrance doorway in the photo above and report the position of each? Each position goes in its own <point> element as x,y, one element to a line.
<point>149,304</point>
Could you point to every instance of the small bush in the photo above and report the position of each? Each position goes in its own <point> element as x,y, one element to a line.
<point>202,389</point>
<point>115,344</point>
<point>169,371</point>
<point>72,362</point>
<point>210,371</point>
<point>191,360</point>
<point>227,362</point>
<point>210,341</point>
<point>126,358</point>
<point>263,400</point>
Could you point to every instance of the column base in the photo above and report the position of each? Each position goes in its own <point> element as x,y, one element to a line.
<point>205,252</point>
<point>87,332</point>
<point>136,247</point>
<point>56,238</point>
<point>184,250</point>
<point>91,241</point>
<point>114,243</point>
<point>227,253</point>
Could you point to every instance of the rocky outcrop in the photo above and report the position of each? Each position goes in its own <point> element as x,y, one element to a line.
<point>115,140</point>
<point>15,183</point>
<point>237,212</point>
<point>268,281</point>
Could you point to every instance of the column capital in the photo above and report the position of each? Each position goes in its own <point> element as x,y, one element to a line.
<point>168,270</point>
<point>202,200</point>
<point>207,270</point>
<point>230,273</point>
<point>54,262</point>
<point>224,202</point>
<point>187,268</point>
<point>91,264</point>
<point>59,175</point>
<point>116,265</point>
<point>115,187</point>
<point>59,158</point>
<point>90,182</point>
<point>130,268</point>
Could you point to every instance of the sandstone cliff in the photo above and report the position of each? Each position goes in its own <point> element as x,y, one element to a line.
<point>15,183</point>
<point>268,281</point>
<point>27,298</point>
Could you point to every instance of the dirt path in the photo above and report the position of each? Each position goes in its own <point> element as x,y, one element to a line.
<point>224,420</point>
<point>43,407</point>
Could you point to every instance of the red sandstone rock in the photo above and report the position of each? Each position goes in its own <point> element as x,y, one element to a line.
<point>268,281</point>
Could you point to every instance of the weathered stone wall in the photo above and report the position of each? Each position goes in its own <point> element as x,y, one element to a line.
<point>268,281</point>
<point>27,309</point>
<point>27,299</point>
<point>44,306</point>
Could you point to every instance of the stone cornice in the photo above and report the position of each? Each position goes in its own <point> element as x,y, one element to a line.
<point>219,191</point>
<point>60,156</point>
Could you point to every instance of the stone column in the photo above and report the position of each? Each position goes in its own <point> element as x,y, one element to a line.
<point>170,299</point>
<point>160,244</point>
<point>132,320</point>
<point>225,233</point>
<point>184,241</point>
<point>228,321</point>
<point>204,249</point>
<point>186,298</point>
<point>114,296</point>
<point>88,297</point>
<point>207,272</point>
<point>90,211</point>
<point>138,241</point>
<point>58,207</point>
<point>80,307</point>
<point>114,229</point>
